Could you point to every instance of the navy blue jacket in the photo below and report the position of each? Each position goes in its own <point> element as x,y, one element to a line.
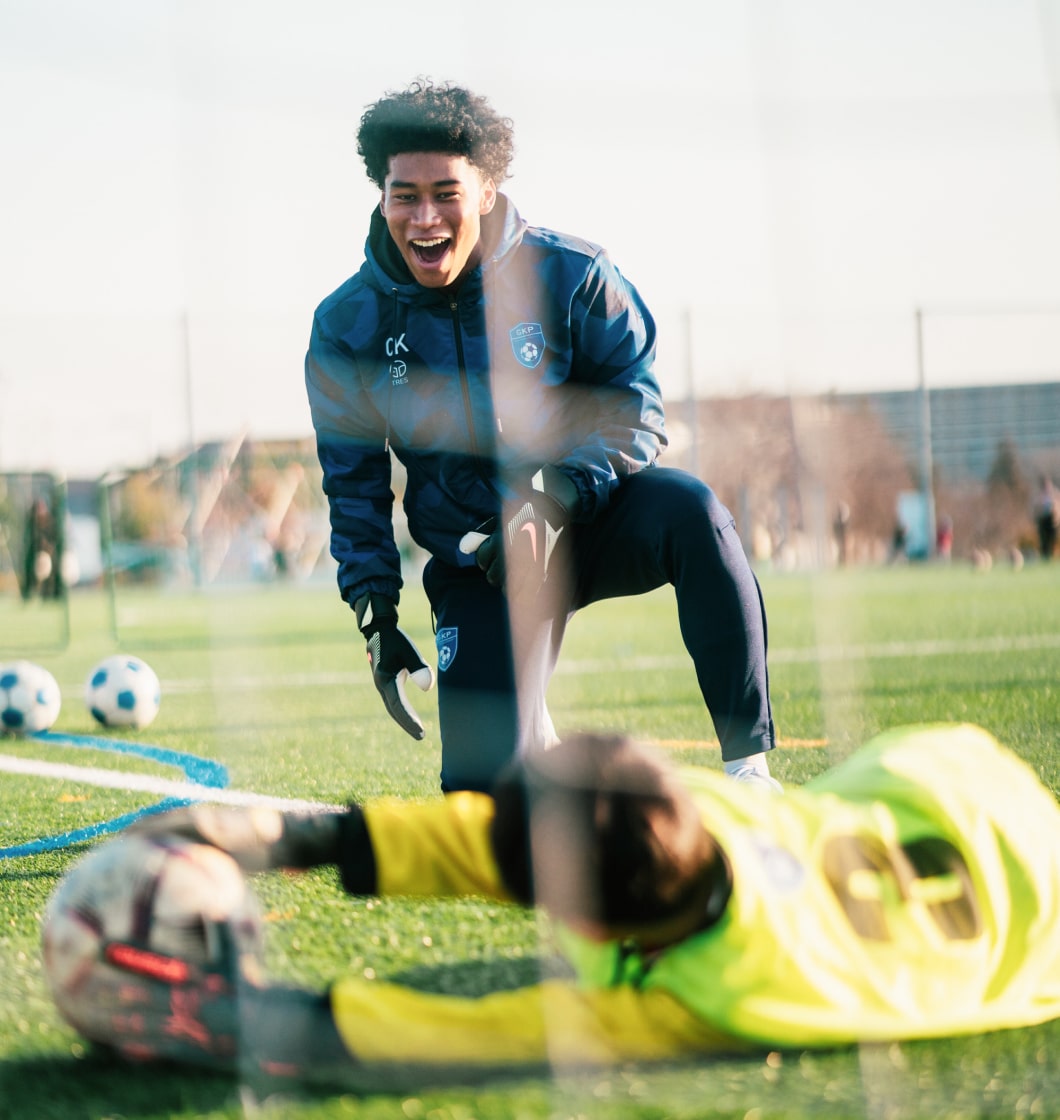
<point>543,355</point>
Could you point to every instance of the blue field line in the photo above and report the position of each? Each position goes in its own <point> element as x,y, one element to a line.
<point>201,771</point>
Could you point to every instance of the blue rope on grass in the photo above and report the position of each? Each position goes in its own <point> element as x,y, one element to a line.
<point>200,771</point>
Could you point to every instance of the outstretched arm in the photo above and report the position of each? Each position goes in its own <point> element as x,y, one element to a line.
<point>439,848</point>
<point>552,1023</point>
<point>335,1037</point>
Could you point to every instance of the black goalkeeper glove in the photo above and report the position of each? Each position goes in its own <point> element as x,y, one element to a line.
<point>393,658</point>
<point>517,557</point>
<point>149,1005</point>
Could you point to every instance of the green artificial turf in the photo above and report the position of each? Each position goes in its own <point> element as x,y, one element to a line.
<point>272,682</point>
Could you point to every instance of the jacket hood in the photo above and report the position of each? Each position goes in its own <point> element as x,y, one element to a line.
<point>384,267</point>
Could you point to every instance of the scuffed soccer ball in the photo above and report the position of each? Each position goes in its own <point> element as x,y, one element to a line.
<point>138,909</point>
<point>123,691</point>
<point>29,698</point>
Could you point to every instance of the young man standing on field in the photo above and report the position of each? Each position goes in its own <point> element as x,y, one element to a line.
<point>509,369</point>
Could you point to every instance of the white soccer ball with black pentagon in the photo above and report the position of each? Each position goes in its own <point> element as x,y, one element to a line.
<point>29,698</point>
<point>137,909</point>
<point>123,691</point>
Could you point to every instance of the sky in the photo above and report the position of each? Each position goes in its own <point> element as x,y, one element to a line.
<point>787,182</point>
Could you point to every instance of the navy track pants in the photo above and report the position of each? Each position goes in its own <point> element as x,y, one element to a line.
<point>661,526</point>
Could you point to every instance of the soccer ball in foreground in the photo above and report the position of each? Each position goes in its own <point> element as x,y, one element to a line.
<point>29,698</point>
<point>138,910</point>
<point>123,691</point>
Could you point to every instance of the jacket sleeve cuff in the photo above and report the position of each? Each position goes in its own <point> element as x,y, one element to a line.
<point>356,856</point>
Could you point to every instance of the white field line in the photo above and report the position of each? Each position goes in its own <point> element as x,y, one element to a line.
<point>937,647</point>
<point>942,647</point>
<point>162,787</point>
<point>191,791</point>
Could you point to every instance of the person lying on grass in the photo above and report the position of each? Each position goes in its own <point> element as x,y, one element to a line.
<point>911,892</point>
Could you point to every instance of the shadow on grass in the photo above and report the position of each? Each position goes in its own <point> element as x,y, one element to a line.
<point>23,874</point>
<point>100,1084</point>
<point>988,1076</point>
<point>86,1081</point>
<point>1003,1074</point>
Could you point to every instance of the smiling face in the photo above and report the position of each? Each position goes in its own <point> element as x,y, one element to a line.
<point>433,205</point>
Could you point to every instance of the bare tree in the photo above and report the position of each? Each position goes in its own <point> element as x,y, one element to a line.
<point>786,465</point>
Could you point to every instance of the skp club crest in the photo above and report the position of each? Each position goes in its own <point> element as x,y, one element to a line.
<point>528,343</point>
<point>446,642</point>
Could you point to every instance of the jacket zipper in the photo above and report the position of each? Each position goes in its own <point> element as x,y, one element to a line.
<point>390,388</point>
<point>465,388</point>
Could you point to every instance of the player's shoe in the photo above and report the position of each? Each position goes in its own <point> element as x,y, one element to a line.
<point>751,775</point>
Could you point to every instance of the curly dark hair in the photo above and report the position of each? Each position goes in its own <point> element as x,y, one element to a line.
<point>435,118</point>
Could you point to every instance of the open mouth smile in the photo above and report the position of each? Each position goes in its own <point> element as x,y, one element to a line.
<point>430,250</point>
